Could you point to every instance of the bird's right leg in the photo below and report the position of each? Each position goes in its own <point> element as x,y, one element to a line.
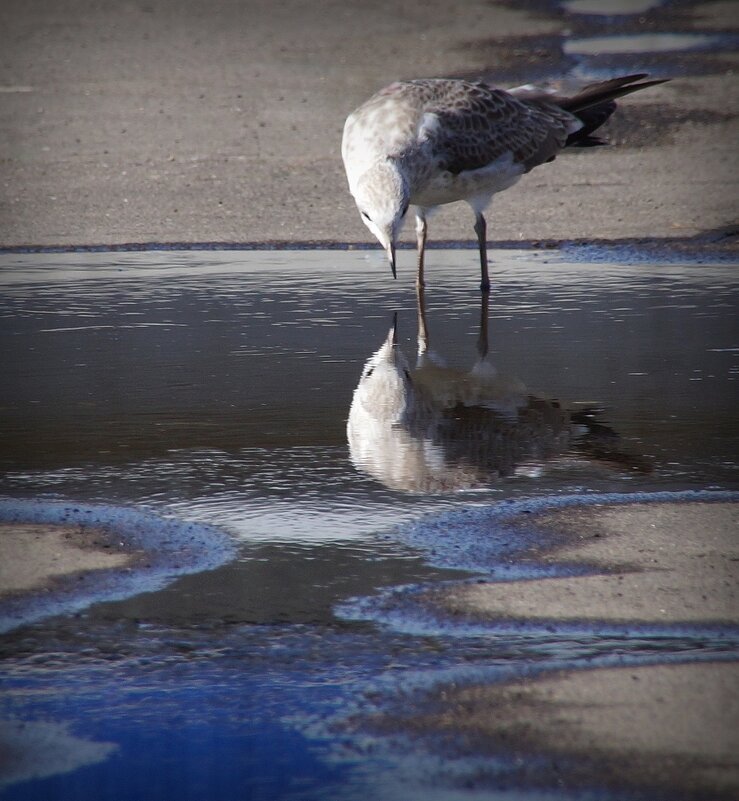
<point>421,245</point>
<point>482,241</point>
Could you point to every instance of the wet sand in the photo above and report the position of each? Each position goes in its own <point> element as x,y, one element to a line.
<point>179,121</point>
<point>32,555</point>
<point>61,557</point>
<point>671,727</point>
<point>676,563</point>
<point>667,729</point>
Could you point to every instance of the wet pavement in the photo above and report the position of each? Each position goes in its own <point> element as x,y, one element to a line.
<point>215,388</point>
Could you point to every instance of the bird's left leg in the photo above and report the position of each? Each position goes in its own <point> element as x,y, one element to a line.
<point>481,231</point>
<point>420,244</point>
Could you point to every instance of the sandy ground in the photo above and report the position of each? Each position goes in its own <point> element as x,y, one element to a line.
<point>186,121</point>
<point>32,554</point>
<point>671,730</point>
<point>664,562</point>
<point>661,726</point>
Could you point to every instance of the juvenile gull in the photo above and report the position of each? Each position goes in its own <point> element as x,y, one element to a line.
<point>428,142</point>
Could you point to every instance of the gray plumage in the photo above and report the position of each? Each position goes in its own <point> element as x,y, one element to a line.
<point>431,142</point>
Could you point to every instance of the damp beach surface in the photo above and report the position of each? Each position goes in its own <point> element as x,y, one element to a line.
<point>317,598</point>
<point>30,554</point>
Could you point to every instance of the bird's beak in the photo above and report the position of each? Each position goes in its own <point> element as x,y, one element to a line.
<point>391,256</point>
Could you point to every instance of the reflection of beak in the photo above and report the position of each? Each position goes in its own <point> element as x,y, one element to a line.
<point>392,337</point>
<point>391,256</point>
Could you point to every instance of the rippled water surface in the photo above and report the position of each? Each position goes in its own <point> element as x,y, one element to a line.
<point>216,387</point>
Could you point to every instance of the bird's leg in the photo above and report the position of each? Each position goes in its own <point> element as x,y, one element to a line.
<point>482,341</point>
<point>481,231</point>
<point>421,246</point>
<point>423,332</point>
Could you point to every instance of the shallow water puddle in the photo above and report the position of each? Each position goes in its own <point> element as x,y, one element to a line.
<point>216,388</point>
<point>609,7</point>
<point>639,43</point>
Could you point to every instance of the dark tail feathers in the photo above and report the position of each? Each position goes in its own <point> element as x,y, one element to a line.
<point>595,103</point>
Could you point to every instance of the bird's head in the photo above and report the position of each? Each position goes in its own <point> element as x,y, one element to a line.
<point>385,389</point>
<point>382,197</point>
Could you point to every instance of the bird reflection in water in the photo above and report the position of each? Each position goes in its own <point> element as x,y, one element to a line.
<point>435,428</point>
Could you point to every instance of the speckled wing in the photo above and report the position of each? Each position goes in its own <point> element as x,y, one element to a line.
<point>471,125</point>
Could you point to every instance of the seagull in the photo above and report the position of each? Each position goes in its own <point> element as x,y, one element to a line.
<point>428,142</point>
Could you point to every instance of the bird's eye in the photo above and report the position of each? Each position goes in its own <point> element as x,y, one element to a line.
<point>366,216</point>
<point>369,372</point>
